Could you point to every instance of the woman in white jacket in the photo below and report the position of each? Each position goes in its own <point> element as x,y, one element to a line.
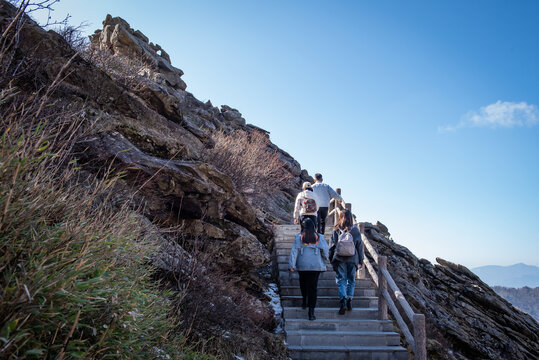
<point>306,205</point>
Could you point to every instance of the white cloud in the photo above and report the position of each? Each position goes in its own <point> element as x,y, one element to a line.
<point>501,114</point>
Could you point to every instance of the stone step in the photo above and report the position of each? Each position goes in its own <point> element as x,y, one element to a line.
<point>342,338</point>
<point>332,301</point>
<point>339,324</point>
<point>325,275</point>
<point>318,352</point>
<point>289,237</point>
<point>331,313</point>
<point>283,259</point>
<point>285,280</point>
<point>282,252</point>
<point>287,246</point>
<point>284,267</point>
<point>328,291</point>
<point>285,274</point>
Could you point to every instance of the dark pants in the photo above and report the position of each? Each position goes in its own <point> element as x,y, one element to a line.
<point>303,217</point>
<point>308,283</point>
<point>322,215</point>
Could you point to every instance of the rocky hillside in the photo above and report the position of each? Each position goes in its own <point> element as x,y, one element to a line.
<point>139,124</point>
<point>465,318</point>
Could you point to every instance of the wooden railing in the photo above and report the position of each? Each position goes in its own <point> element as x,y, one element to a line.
<point>385,283</point>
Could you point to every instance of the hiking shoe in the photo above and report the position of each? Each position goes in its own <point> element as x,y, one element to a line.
<point>349,304</point>
<point>342,309</point>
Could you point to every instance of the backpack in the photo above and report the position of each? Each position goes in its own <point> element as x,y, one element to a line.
<point>309,205</point>
<point>345,245</point>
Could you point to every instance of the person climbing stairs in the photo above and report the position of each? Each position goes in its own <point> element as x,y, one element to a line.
<point>358,334</point>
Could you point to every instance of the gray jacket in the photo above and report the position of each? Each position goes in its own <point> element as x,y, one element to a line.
<point>359,255</point>
<point>324,193</point>
<point>309,257</point>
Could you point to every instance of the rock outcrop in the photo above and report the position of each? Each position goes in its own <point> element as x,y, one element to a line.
<point>155,134</point>
<point>465,318</point>
<point>118,38</point>
<point>140,130</point>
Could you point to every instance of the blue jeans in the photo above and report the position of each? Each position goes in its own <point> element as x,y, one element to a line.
<point>345,275</point>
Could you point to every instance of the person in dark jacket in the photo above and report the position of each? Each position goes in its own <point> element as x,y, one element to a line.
<point>308,257</point>
<point>346,266</point>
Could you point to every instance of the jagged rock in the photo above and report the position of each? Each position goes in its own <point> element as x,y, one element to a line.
<point>172,188</point>
<point>383,229</point>
<point>232,115</point>
<point>232,246</point>
<point>119,38</point>
<point>465,318</point>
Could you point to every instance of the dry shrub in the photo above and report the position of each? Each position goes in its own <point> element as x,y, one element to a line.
<point>126,71</point>
<point>255,168</point>
<point>74,37</point>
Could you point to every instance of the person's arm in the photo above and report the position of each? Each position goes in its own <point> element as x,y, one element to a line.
<point>333,194</point>
<point>293,256</point>
<point>359,247</point>
<point>317,201</point>
<point>324,248</point>
<point>332,246</point>
<point>297,207</point>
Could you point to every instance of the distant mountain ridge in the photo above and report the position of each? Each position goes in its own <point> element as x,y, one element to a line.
<point>514,276</point>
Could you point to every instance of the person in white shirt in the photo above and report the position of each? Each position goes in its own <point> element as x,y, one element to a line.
<point>306,205</point>
<point>324,193</point>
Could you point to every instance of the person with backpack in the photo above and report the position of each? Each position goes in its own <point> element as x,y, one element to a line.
<point>306,205</point>
<point>308,257</point>
<point>324,193</point>
<point>346,254</point>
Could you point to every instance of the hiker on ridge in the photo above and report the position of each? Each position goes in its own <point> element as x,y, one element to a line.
<point>308,257</point>
<point>346,255</point>
<point>324,193</point>
<point>306,205</point>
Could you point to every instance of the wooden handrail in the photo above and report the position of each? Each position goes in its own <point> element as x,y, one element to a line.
<point>417,342</point>
<point>383,280</point>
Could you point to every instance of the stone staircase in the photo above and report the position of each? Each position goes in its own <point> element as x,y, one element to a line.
<point>358,334</point>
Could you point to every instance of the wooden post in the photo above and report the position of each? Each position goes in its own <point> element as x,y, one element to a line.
<point>420,337</point>
<point>330,218</point>
<point>382,286</point>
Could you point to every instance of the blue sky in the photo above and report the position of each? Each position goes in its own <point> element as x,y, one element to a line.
<point>423,112</point>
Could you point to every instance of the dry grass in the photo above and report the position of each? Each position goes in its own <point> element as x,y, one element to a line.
<point>255,169</point>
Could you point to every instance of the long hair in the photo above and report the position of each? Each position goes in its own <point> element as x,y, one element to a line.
<point>308,232</point>
<point>346,221</point>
